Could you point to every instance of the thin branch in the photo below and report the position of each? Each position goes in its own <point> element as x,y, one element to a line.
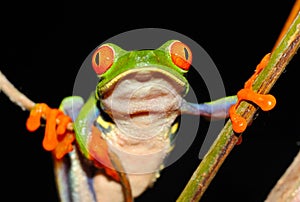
<point>227,139</point>
<point>287,188</point>
<point>289,21</point>
<point>19,98</point>
<point>14,94</point>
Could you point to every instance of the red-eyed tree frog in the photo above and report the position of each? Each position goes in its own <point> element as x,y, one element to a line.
<point>123,132</point>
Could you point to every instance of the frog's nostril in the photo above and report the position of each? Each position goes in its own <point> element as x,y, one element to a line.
<point>143,76</point>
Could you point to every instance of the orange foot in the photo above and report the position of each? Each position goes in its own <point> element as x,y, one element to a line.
<point>57,138</point>
<point>265,102</point>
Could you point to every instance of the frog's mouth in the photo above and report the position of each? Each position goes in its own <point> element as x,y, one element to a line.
<point>144,103</point>
<point>144,73</point>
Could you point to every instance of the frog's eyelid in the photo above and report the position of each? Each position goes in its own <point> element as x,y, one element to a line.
<point>116,48</point>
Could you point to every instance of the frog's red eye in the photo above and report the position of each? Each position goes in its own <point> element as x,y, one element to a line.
<point>181,55</point>
<point>102,59</point>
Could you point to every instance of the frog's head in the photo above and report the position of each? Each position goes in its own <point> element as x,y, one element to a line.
<point>142,90</point>
<point>113,64</point>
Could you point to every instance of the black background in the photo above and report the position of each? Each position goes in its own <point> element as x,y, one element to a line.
<point>43,46</point>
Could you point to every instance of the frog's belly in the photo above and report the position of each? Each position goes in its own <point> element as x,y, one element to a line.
<point>142,161</point>
<point>111,191</point>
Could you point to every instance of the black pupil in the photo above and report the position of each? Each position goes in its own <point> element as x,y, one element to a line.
<point>186,53</point>
<point>97,58</point>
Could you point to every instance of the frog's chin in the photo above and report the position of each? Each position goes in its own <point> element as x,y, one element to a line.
<point>144,103</point>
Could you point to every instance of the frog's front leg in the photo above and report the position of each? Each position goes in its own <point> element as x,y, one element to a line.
<point>224,107</point>
<point>265,102</point>
<point>71,174</point>
<point>57,138</point>
<point>217,109</point>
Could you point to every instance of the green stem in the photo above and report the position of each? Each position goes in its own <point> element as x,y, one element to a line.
<point>227,139</point>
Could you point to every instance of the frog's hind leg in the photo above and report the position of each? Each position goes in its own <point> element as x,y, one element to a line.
<point>69,173</point>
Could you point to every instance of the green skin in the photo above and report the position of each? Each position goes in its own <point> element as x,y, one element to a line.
<point>130,71</point>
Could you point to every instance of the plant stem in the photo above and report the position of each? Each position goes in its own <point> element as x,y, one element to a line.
<point>227,139</point>
<point>14,94</point>
<point>287,188</point>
